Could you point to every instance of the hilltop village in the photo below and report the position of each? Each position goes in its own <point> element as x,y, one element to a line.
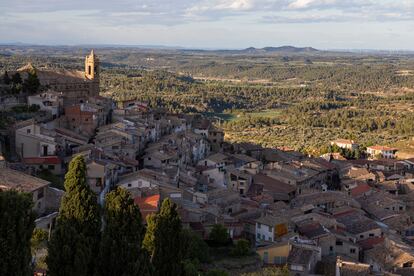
<point>311,214</point>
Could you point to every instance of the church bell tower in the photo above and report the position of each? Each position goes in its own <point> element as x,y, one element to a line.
<point>91,66</point>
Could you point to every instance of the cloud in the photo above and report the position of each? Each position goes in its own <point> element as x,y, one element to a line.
<point>172,12</point>
<point>300,4</point>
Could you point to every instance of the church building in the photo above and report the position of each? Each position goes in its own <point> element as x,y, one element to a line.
<point>76,86</point>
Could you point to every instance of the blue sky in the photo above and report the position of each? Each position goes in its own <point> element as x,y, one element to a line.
<point>324,24</point>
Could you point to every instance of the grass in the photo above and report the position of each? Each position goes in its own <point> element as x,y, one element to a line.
<point>405,147</point>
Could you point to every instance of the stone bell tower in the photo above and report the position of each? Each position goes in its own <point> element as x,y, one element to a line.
<point>91,66</point>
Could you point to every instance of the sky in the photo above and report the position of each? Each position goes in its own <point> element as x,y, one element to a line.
<point>224,24</point>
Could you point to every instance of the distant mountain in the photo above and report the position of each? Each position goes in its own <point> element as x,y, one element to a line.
<point>260,51</point>
<point>281,49</point>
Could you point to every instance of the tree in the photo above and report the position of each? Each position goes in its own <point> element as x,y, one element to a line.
<point>216,272</point>
<point>194,247</point>
<point>163,240</point>
<point>195,251</point>
<point>31,84</point>
<point>270,271</point>
<point>6,78</point>
<point>242,248</point>
<point>16,227</point>
<point>219,235</point>
<point>120,250</point>
<point>39,237</point>
<point>75,241</point>
<point>16,78</point>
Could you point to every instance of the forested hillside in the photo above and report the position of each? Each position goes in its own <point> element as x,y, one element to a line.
<point>297,100</point>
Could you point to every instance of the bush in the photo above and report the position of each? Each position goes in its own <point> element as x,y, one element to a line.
<point>216,272</point>
<point>195,247</point>
<point>39,237</point>
<point>219,235</point>
<point>242,248</point>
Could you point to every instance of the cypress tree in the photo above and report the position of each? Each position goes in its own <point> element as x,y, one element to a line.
<point>6,78</point>
<point>31,84</point>
<point>120,250</point>
<point>16,78</point>
<point>163,240</point>
<point>16,227</point>
<point>74,244</point>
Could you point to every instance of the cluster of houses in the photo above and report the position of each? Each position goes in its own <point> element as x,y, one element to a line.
<point>311,214</point>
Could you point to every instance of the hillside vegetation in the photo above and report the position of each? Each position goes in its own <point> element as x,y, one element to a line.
<point>296,100</point>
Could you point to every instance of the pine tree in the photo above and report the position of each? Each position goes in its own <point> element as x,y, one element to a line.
<point>75,241</point>
<point>163,240</point>
<point>16,227</point>
<point>120,249</point>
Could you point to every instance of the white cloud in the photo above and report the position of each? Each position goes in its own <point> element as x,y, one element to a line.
<point>236,5</point>
<point>63,18</point>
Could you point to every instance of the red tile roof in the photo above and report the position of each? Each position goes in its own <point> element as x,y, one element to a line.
<point>41,160</point>
<point>360,190</point>
<point>371,242</point>
<point>148,205</point>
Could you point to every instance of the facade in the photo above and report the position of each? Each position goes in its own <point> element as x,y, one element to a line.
<point>302,259</point>
<point>269,228</point>
<point>345,144</point>
<point>34,141</point>
<point>75,86</point>
<point>51,163</point>
<point>84,118</point>
<point>274,253</point>
<point>15,180</point>
<point>383,151</point>
<point>100,174</point>
<point>216,139</point>
<point>239,181</point>
<point>51,102</point>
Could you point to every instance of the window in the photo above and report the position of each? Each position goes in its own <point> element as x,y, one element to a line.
<point>259,225</point>
<point>40,194</point>
<point>340,243</point>
<point>98,182</point>
<point>270,228</point>
<point>270,238</point>
<point>371,234</point>
<point>361,236</point>
<point>129,184</point>
<point>352,250</point>
<point>149,158</point>
<point>331,248</point>
<point>258,235</point>
<point>51,167</point>
<point>28,130</point>
<point>296,267</point>
<point>265,257</point>
<point>279,260</point>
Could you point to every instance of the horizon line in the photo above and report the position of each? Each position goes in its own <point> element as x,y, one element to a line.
<point>178,47</point>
